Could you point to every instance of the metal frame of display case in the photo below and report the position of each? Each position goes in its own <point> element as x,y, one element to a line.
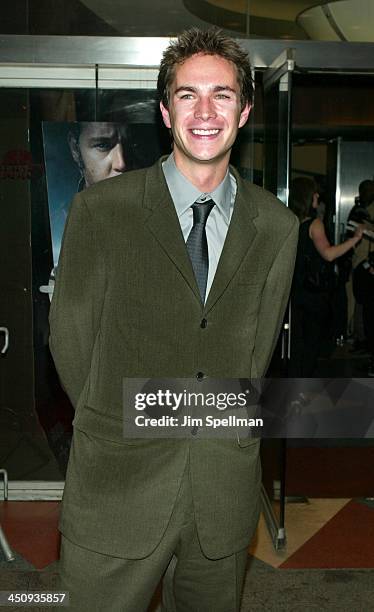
<point>146,52</point>
<point>113,62</point>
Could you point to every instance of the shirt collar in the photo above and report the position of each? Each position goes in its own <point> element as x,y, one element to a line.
<point>184,193</point>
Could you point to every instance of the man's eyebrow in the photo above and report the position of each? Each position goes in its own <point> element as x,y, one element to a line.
<point>215,88</point>
<point>94,139</point>
<point>185,88</point>
<point>224,88</point>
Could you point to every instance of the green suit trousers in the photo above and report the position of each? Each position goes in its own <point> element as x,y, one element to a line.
<point>192,582</point>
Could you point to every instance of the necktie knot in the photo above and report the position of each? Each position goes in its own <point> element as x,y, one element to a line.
<point>201,211</point>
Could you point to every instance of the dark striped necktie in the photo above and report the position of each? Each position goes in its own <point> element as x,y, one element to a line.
<point>197,245</point>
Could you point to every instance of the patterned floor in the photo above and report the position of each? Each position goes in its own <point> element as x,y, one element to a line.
<point>321,533</point>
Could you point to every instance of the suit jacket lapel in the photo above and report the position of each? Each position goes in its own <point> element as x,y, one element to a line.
<point>164,224</point>
<point>240,237</point>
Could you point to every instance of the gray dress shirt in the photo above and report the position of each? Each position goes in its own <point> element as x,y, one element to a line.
<point>184,194</point>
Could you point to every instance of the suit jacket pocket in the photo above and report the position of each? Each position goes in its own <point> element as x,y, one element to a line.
<point>104,426</point>
<point>244,441</point>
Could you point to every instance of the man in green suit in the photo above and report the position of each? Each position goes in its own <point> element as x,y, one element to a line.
<point>180,270</point>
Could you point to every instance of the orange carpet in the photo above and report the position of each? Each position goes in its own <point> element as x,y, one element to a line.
<point>346,541</point>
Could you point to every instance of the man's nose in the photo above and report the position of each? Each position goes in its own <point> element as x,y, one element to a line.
<point>204,109</point>
<point>118,158</point>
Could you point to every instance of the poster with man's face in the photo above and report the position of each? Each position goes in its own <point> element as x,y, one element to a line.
<point>78,155</point>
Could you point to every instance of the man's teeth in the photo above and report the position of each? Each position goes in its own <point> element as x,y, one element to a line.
<point>205,132</point>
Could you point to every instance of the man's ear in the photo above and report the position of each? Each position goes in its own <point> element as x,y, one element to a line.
<point>165,115</point>
<point>245,114</point>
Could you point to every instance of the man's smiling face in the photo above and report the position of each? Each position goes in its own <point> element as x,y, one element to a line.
<point>204,111</point>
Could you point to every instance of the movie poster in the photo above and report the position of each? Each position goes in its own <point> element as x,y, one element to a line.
<point>78,155</point>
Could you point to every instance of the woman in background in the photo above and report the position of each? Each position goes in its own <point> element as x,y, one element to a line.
<point>314,278</point>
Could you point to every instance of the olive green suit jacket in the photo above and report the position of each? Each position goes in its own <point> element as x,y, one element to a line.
<point>126,304</point>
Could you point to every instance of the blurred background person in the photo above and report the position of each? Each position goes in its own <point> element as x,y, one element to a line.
<point>363,274</point>
<point>314,279</point>
<point>363,287</point>
<point>362,212</point>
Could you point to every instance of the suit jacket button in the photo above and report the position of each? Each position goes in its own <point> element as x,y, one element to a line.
<point>200,375</point>
<point>203,323</point>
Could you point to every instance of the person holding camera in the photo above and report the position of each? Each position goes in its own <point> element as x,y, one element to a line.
<point>314,279</point>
